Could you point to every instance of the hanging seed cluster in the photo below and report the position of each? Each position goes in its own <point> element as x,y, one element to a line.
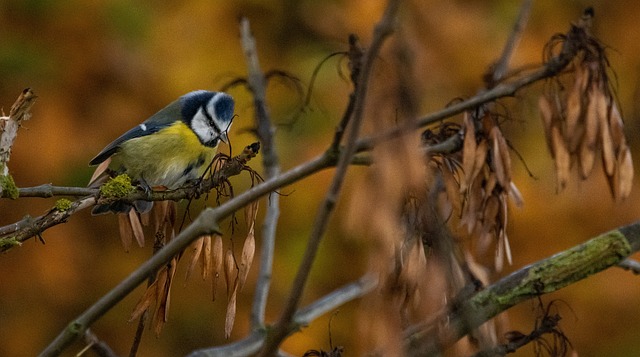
<point>486,184</point>
<point>583,123</point>
<point>477,181</point>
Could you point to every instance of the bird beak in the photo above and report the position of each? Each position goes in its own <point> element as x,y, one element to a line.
<point>224,138</point>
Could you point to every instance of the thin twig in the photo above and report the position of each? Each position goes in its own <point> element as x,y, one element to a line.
<point>381,31</point>
<point>502,66</point>
<point>630,265</point>
<point>265,131</point>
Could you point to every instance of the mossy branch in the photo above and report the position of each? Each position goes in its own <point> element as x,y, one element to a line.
<point>543,277</point>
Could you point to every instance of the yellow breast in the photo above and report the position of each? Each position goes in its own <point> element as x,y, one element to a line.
<point>169,157</point>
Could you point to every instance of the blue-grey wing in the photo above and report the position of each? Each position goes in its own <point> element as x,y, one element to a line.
<point>155,123</point>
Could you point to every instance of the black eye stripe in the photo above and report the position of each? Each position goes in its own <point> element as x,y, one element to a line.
<point>210,119</point>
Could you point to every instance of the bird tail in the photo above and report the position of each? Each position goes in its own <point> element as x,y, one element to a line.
<point>122,207</point>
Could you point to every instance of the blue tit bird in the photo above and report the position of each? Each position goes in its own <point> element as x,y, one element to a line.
<point>171,148</point>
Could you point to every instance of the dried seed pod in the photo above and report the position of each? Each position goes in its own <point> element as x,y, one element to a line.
<point>625,176</point>
<point>546,113</point>
<point>490,185</point>
<point>589,141</point>
<point>138,233</point>
<point>515,195</point>
<point>451,187</point>
<point>506,159</point>
<point>617,127</point>
<point>562,158</point>
<point>230,316</point>
<point>608,150</point>
<point>490,212</point>
<point>480,159</point>
<point>468,151</point>
<point>573,114</point>
<point>126,233</point>
<point>217,257</point>
<point>497,160</point>
<point>230,272</point>
<point>150,295</point>
<point>503,228</point>
<point>248,251</point>
<point>196,249</point>
<point>471,212</point>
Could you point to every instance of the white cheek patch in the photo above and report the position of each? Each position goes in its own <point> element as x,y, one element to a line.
<point>201,127</point>
<point>143,127</point>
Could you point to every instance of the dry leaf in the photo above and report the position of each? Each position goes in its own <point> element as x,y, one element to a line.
<point>546,112</point>
<point>515,195</point>
<point>480,159</point>
<point>196,249</point>
<point>589,142</point>
<point>206,257</point>
<point>250,214</point>
<point>500,158</point>
<point>217,256</point>
<point>562,158</point>
<point>625,177</point>
<point>126,233</point>
<point>468,151</point>
<point>451,186</point>
<point>617,127</point>
<point>150,295</point>
<point>608,148</point>
<point>145,218</point>
<point>159,214</point>
<point>573,114</point>
<point>248,251</point>
<point>490,213</point>
<point>161,314</point>
<point>230,272</point>
<point>473,206</point>
<point>98,174</point>
<point>231,314</point>
<point>136,226</point>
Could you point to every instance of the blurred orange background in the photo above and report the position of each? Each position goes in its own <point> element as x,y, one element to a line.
<point>101,67</point>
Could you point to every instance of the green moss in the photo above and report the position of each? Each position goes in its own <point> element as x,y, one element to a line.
<point>8,187</point>
<point>63,204</point>
<point>117,187</point>
<point>9,242</point>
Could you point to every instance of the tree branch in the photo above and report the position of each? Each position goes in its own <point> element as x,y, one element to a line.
<point>382,30</point>
<point>252,343</point>
<point>265,131</point>
<point>542,277</point>
<point>205,223</point>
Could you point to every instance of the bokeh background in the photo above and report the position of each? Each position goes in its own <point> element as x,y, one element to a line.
<point>100,67</point>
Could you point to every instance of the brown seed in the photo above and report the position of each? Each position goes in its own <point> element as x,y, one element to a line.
<point>499,167</point>
<point>591,125</point>
<point>230,272</point>
<point>136,226</point>
<point>248,251</point>
<point>217,252</point>
<point>625,166</point>
<point>196,250</point>
<point>230,316</point>
<point>617,127</point>
<point>546,113</point>
<point>573,114</point>
<point>451,187</point>
<point>562,158</point>
<point>468,151</point>
<point>126,233</point>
